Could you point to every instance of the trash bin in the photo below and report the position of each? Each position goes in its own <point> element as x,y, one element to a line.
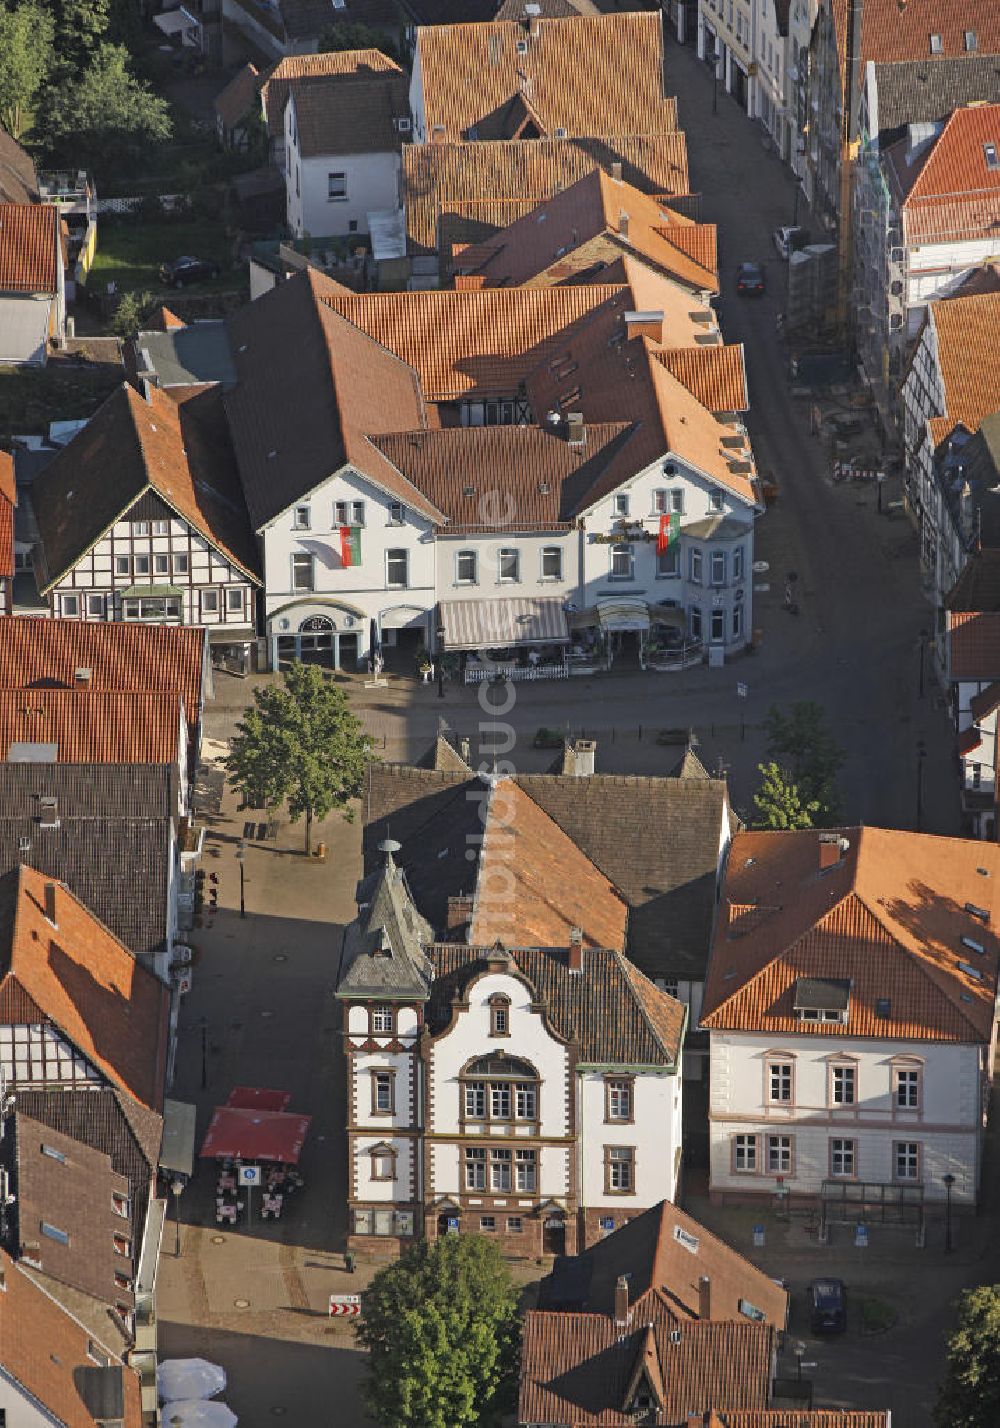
<point>321,852</point>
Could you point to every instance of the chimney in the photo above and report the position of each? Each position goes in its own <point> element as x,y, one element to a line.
<point>82,676</point>
<point>459,917</point>
<point>576,432</point>
<point>831,846</point>
<point>704,1297</point>
<point>616,171</point>
<point>50,903</point>
<point>584,751</point>
<point>621,1301</point>
<point>623,224</point>
<point>469,282</point>
<point>575,960</point>
<point>645,324</point>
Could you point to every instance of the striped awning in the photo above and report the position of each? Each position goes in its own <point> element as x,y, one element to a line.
<point>625,612</point>
<point>488,624</point>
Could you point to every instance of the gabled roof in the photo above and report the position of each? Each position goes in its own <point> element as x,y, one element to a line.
<point>86,982</point>
<point>310,388</point>
<point>716,375</point>
<point>577,1368</point>
<point>974,644</point>
<point>89,726</point>
<point>240,96</point>
<point>953,195</point>
<point>664,1253</point>
<point>569,237</point>
<point>45,1352</point>
<point>985,702</point>
<point>479,343</point>
<point>599,363</point>
<point>888,917</point>
<point>545,478</point>
<point>349,113</point>
<point>118,656</point>
<point>493,183</point>
<point>383,946</point>
<point>549,886</point>
<point>565,72</point>
<point>655,840</point>
<point>18,179</point>
<point>29,241</point>
<point>614,1014</point>
<point>132,445</point>
<point>977,588</point>
<point>274,87</point>
<point>968,354</point>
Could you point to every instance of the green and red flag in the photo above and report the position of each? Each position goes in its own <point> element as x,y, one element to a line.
<point>670,530</point>
<point>350,545</point>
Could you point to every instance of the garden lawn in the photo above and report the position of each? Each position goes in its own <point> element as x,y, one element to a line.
<point>129,254</point>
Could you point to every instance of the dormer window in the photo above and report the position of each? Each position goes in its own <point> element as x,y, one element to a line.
<point>937,45</point>
<point>499,1016</point>
<point>821,999</point>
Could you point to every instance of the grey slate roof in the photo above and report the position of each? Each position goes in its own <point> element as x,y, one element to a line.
<point>184,356</point>
<point>656,839</point>
<point>383,946</point>
<point>614,1014</point>
<point>112,817</point>
<point>919,91</point>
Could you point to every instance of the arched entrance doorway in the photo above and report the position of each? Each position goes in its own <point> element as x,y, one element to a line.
<point>329,637</point>
<point>554,1234</point>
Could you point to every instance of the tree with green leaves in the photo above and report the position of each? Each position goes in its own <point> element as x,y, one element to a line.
<point>80,25</point>
<point>106,113</point>
<point>969,1397</point>
<point>299,741</point>
<point>779,802</point>
<point>441,1329</point>
<point>132,308</point>
<point>352,35</point>
<point>26,57</point>
<point>801,743</point>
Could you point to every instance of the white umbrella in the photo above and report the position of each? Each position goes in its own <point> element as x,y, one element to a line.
<point>197,1413</point>
<point>188,1379</point>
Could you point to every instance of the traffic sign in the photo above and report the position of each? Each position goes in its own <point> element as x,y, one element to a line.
<point>758,1236</point>
<point>345,1305</point>
<point>741,689</point>
<point>249,1174</point>
<point>861,1236</point>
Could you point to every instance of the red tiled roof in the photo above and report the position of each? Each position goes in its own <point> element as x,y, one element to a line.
<point>968,352</point>
<point>579,1368</point>
<point>801,1418</point>
<point>566,75</point>
<point>889,917</point>
<point>29,233</point>
<point>8,500</point>
<point>44,1350</point>
<point>119,656</point>
<point>91,726</point>
<point>274,89</point>
<point>239,97</point>
<point>955,195</point>
<point>87,983</point>
<point>571,233</point>
<point>548,885</point>
<point>902,29</point>
<point>8,488</point>
<point>471,343</point>
<point>985,702</point>
<point>974,644</point>
<point>717,375</point>
<point>163,320</point>
<point>968,740</point>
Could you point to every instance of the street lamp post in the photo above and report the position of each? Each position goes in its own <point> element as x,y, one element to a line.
<point>440,658</point>
<point>949,1181</point>
<point>177,1187</point>
<point>924,637</point>
<point>921,755</point>
<point>204,1052</point>
<point>799,1350</point>
<point>241,853</point>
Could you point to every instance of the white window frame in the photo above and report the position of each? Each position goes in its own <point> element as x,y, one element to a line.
<point>181,563</point>
<point>234,600</point>
<point>336,181</point>
<point>694,565</point>
<point>717,567</point>
<point>301,562</point>
<point>717,627</point>
<point>509,553</point>
<point>142,565</point>
<point>97,606</point>
<point>620,504</point>
<point>397,513</point>
<point>616,551</point>
<point>70,605</point>
<point>551,551</point>
<point>207,598</point>
<point>466,554</point>
<point>301,518</point>
<point>161,563</point>
<point>393,552</point>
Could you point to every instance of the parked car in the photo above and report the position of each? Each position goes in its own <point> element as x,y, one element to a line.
<point>181,271</point>
<point>829,1306</point>
<point>789,240</point>
<point>750,279</point>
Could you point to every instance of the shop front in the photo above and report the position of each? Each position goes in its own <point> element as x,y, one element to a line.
<point>626,629</point>
<point>322,632</point>
<point>512,639</point>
